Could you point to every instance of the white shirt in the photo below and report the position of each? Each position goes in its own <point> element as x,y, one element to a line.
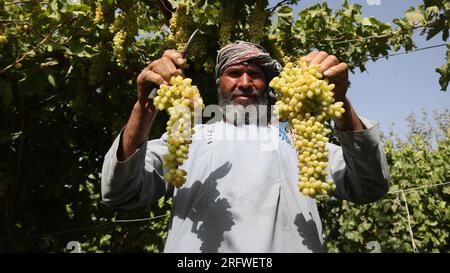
<point>241,191</point>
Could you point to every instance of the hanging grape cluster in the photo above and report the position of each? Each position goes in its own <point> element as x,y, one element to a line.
<point>124,28</point>
<point>179,100</point>
<point>182,25</point>
<point>96,70</point>
<point>306,101</point>
<point>118,46</point>
<point>98,14</point>
<point>257,22</point>
<point>226,26</point>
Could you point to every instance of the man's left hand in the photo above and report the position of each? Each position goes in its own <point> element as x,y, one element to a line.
<point>332,69</point>
<point>337,73</point>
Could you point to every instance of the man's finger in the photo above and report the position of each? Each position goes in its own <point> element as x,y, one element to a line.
<point>336,70</point>
<point>311,55</point>
<point>169,69</point>
<point>149,76</point>
<point>164,67</point>
<point>329,62</point>
<point>175,57</point>
<point>318,58</point>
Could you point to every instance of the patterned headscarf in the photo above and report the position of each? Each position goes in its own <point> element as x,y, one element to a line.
<point>240,52</point>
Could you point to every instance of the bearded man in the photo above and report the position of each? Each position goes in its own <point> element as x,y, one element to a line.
<point>241,194</point>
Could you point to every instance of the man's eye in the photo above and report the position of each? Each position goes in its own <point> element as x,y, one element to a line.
<point>234,74</point>
<point>255,74</point>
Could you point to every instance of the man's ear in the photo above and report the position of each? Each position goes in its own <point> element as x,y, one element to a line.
<point>218,85</point>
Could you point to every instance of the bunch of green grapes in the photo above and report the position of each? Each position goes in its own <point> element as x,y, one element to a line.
<point>98,14</point>
<point>179,100</point>
<point>126,20</point>
<point>273,46</point>
<point>226,26</point>
<point>95,71</point>
<point>198,53</point>
<point>124,28</point>
<point>306,101</point>
<point>118,46</point>
<point>181,25</point>
<point>256,23</point>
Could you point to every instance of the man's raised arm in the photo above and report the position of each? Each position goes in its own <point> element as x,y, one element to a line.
<point>132,173</point>
<point>138,126</point>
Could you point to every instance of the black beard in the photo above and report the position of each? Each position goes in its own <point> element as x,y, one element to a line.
<point>250,114</point>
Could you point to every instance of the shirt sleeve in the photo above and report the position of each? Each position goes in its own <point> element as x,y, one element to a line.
<point>359,167</point>
<point>137,181</point>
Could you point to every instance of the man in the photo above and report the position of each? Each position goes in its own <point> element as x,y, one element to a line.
<point>241,195</point>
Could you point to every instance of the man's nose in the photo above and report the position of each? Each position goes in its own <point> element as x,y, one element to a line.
<point>245,81</point>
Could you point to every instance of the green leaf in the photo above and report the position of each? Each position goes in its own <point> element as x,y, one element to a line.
<point>415,16</point>
<point>285,18</point>
<point>79,9</point>
<point>212,15</point>
<point>432,11</point>
<point>445,34</point>
<point>285,11</point>
<point>174,3</point>
<point>51,80</point>
<point>444,70</point>
<point>54,5</point>
<point>435,27</point>
<point>16,135</point>
<point>366,22</point>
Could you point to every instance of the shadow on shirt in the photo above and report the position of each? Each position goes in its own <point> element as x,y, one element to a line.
<point>209,214</point>
<point>308,231</point>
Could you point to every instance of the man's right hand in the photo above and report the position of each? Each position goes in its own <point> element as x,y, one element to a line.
<point>158,72</point>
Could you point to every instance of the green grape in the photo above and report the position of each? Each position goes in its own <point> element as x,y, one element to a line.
<point>179,99</point>
<point>3,39</point>
<point>306,101</point>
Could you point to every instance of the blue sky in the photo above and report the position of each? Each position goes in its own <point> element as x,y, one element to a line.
<point>392,89</point>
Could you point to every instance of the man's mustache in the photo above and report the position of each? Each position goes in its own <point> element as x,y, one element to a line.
<point>244,92</point>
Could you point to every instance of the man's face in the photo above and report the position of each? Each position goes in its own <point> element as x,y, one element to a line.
<point>242,84</point>
<point>243,89</point>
